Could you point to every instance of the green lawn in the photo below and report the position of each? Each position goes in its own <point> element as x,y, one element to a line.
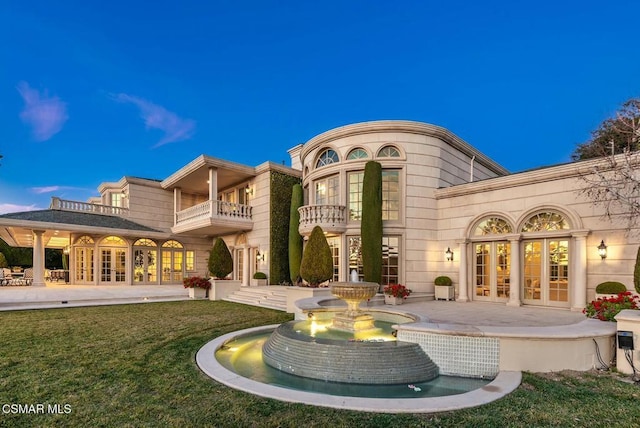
<point>134,365</point>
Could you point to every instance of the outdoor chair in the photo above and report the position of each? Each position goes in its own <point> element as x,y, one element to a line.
<point>7,276</point>
<point>28,276</point>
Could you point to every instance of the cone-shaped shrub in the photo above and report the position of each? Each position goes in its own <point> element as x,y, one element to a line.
<point>317,262</point>
<point>371,223</point>
<point>295,240</point>
<point>220,260</point>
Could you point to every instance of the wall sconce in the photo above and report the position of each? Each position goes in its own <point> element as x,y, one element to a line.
<point>259,256</point>
<point>602,250</point>
<point>248,190</point>
<point>448,254</point>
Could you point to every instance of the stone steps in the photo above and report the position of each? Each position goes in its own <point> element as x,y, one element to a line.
<point>272,297</point>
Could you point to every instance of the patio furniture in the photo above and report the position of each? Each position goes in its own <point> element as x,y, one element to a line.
<point>27,279</point>
<point>7,277</point>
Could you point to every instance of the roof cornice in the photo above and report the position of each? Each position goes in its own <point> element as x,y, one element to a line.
<point>405,126</point>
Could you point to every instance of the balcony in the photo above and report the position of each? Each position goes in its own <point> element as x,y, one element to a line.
<point>213,218</point>
<point>331,218</point>
<point>86,207</point>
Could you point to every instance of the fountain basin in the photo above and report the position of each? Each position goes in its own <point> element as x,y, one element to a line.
<point>352,361</point>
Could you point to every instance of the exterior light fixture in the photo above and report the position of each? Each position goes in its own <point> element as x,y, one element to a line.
<point>248,190</point>
<point>259,256</point>
<point>448,254</point>
<point>602,250</point>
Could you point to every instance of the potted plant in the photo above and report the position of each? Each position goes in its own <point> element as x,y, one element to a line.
<point>606,309</point>
<point>260,278</point>
<point>197,285</point>
<point>444,288</point>
<point>394,294</point>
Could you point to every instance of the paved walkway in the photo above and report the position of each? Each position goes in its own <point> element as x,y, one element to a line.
<point>472,313</point>
<point>63,295</point>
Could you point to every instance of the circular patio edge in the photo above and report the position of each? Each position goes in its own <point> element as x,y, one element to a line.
<point>504,383</point>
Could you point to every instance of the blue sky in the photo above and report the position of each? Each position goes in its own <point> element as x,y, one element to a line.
<point>93,91</point>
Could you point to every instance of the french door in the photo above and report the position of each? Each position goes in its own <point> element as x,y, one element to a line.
<point>84,266</point>
<point>546,272</point>
<point>145,267</point>
<point>113,262</point>
<point>492,268</point>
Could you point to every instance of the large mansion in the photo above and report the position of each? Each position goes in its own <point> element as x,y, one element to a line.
<point>525,238</point>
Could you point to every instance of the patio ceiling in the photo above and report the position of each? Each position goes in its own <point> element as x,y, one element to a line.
<point>23,237</point>
<point>193,178</point>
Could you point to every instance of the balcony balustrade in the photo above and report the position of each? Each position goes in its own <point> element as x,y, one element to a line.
<point>213,213</point>
<point>331,218</point>
<point>86,207</point>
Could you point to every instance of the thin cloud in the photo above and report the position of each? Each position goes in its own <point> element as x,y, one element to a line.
<point>45,115</point>
<point>174,127</point>
<point>48,189</point>
<point>12,208</point>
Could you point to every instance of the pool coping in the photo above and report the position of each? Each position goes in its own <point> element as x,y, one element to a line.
<point>504,383</point>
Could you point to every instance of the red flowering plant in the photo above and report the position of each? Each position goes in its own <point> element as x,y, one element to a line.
<point>196,282</point>
<point>397,290</point>
<point>607,308</point>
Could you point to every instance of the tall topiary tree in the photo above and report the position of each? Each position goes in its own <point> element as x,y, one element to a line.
<point>636,272</point>
<point>295,239</point>
<point>371,223</point>
<point>317,261</point>
<point>220,260</point>
<point>281,186</point>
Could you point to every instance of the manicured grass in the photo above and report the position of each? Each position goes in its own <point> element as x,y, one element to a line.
<point>134,365</point>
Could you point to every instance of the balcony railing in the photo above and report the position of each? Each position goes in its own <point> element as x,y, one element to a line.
<point>214,210</point>
<point>331,218</point>
<point>86,207</point>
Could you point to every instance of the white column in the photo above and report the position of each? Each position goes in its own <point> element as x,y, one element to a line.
<point>38,259</point>
<point>514,274</point>
<point>177,204</point>
<point>213,184</point>
<point>463,290</point>
<point>246,258</point>
<point>578,284</point>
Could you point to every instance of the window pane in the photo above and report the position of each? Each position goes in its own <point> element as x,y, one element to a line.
<point>355,195</point>
<point>355,256</point>
<point>390,260</point>
<point>390,195</point>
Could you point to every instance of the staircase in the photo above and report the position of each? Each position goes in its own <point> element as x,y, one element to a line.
<point>271,296</point>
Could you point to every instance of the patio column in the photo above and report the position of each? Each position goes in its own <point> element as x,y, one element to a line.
<point>578,285</point>
<point>245,266</point>
<point>38,259</point>
<point>213,184</point>
<point>514,273</point>
<point>177,204</point>
<point>463,290</point>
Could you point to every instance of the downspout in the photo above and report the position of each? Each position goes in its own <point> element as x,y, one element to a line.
<point>471,169</point>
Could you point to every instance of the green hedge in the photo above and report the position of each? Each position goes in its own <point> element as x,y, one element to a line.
<point>295,239</point>
<point>371,223</point>
<point>280,196</point>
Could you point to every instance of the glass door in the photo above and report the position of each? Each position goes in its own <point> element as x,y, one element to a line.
<point>113,265</point>
<point>144,266</point>
<point>492,271</point>
<point>84,267</point>
<point>546,272</point>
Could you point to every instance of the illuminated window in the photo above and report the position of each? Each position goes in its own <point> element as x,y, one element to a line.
<point>492,226</point>
<point>355,195</point>
<point>545,222</point>
<point>390,195</point>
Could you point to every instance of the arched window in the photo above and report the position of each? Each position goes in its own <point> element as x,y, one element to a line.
<point>85,240</point>
<point>546,221</point>
<point>172,262</point>
<point>357,154</point>
<point>492,226</point>
<point>145,261</point>
<point>113,241</point>
<point>327,157</point>
<point>172,244</point>
<point>388,152</point>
